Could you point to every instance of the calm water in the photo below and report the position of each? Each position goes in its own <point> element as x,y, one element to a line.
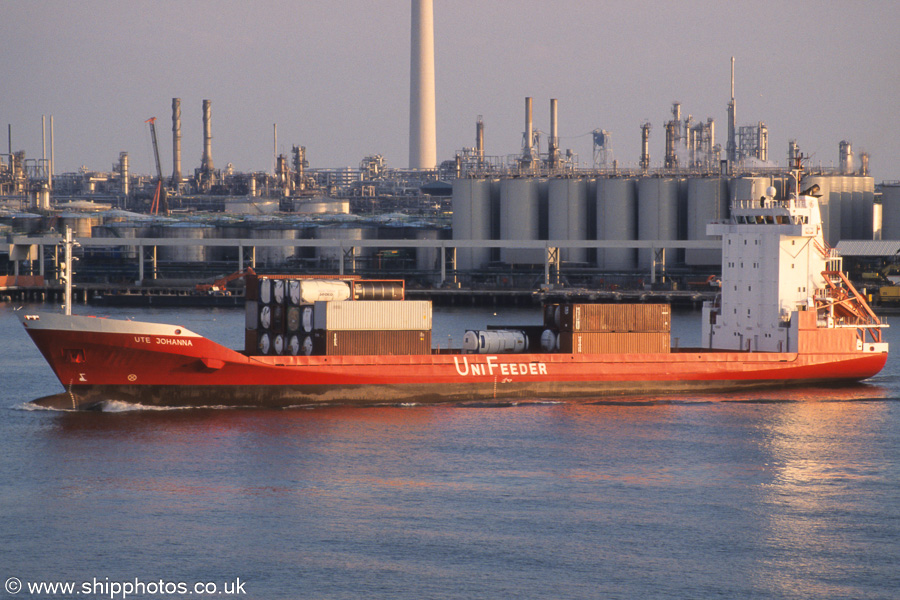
<point>770,495</point>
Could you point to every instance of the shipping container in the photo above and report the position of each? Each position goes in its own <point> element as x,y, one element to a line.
<point>497,341</point>
<point>251,314</point>
<point>265,290</point>
<point>264,343</point>
<point>615,317</point>
<point>550,315</point>
<point>550,340</point>
<point>306,318</point>
<point>277,318</point>
<point>614,343</point>
<point>379,290</point>
<point>278,291</point>
<point>251,341</point>
<point>265,317</point>
<point>373,315</point>
<point>360,342</point>
<point>292,319</point>
<point>318,290</point>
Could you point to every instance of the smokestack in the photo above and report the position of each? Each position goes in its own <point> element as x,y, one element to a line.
<point>731,145</point>
<point>554,134</point>
<point>846,153</point>
<point>123,172</point>
<point>671,134</point>
<point>422,135</point>
<point>645,146</point>
<point>479,138</point>
<point>207,163</point>
<point>176,144</point>
<point>529,130</point>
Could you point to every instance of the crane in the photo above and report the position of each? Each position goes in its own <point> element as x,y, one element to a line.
<point>159,197</point>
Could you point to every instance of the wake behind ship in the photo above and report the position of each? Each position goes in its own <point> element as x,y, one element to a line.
<point>786,315</point>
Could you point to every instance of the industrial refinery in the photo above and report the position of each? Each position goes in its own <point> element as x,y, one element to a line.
<point>536,217</point>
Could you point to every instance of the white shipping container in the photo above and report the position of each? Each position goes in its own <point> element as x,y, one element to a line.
<point>321,290</point>
<point>369,315</point>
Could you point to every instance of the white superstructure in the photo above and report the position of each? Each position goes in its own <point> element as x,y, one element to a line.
<point>775,265</point>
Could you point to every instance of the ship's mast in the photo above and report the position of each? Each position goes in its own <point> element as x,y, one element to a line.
<point>68,243</point>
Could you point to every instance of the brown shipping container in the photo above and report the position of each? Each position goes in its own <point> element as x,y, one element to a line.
<point>608,318</point>
<point>356,343</point>
<point>614,343</point>
<point>250,341</point>
<point>373,315</point>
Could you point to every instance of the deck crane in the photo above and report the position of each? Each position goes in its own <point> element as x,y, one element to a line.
<point>159,197</point>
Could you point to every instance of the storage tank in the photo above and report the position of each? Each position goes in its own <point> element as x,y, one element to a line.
<point>845,185</point>
<point>81,224</point>
<point>321,206</point>
<point>707,201</point>
<point>658,215</point>
<point>349,233</point>
<point>120,230</point>
<point>250,205</point>
<point>472,220</point>
<point>495,341</point>
<point>25,222</point>
<point>273,256</point>
<point>185,230</point>
<point>617,220</point>
<point>522,210</point>
<point>568,215</point>
<point>829,205</point>
<point>863,207</point>
<point>890,211</point>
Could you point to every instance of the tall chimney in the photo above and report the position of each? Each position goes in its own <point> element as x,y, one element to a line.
<point>479,138</point>
<point>529,130</point>
<point>645,146</point>
<point>731,144</point>
<point>207,164</point>
<point>553,150</point>
<point>176,144</point>
<point>422,127</point>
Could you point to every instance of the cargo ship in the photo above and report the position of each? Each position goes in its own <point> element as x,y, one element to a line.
<point>786,315</point>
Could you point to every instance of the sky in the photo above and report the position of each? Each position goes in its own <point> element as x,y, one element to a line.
<point>334,76</point>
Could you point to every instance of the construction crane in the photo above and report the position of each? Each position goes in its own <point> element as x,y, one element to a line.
<point>159,197</point>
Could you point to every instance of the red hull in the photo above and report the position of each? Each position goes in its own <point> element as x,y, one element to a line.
<point>99,359</point>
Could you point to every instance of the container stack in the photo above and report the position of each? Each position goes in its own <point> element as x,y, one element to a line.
<point>372,327</point>
<point>302,316</point>
<point>607,328</point>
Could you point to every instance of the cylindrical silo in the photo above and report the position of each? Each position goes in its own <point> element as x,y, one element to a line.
<point>520,219</point>
<point>273,256</point>
<point>80,223</point>
<point>185,230</point>
<point>617,220</point>
<point>829,204</point>
<point>707,201</point>
<point>863,198</point>
<point>847,209</point>
<point>472,220</point>
<point>567,215</point>
<point>349,233</point>
<point>658,215</point>
<point>428,258</point>
<point>748,188</point>
<point>890,211</point>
